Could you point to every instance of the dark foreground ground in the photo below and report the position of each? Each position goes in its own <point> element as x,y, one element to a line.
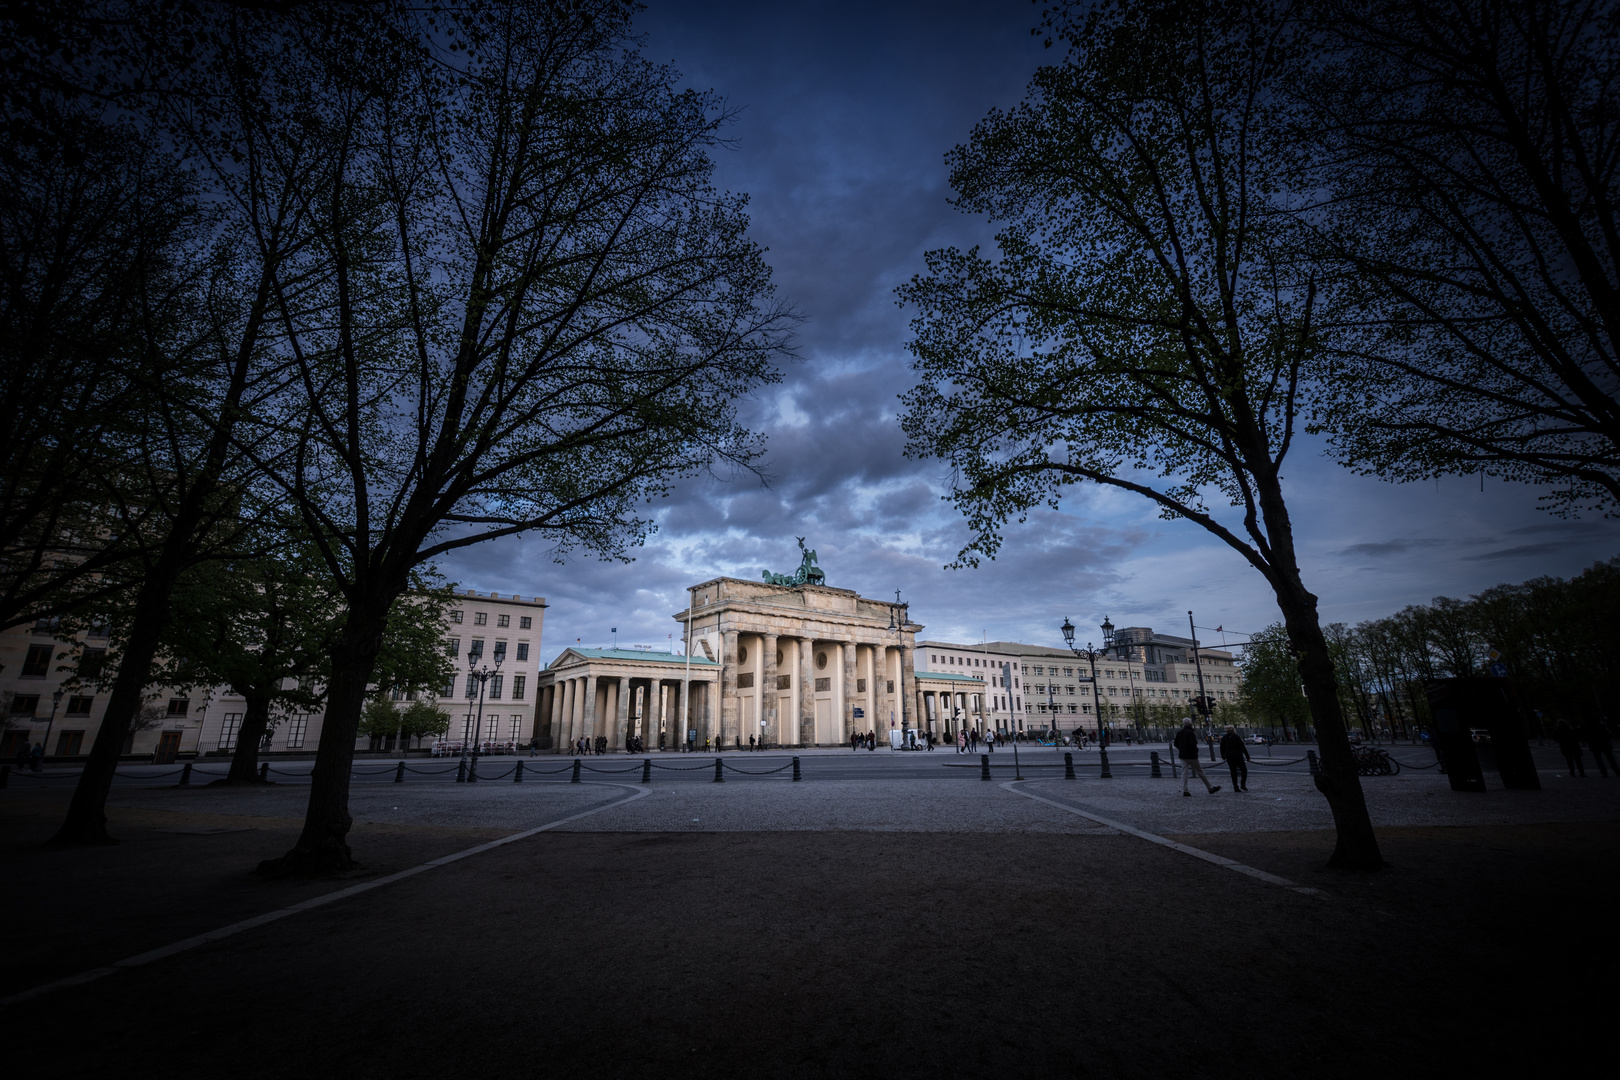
<point>1480,951</point>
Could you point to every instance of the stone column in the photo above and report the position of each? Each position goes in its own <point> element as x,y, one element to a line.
<point>730,707</point>
<point>556,713</point>
<point>768,701</point>
<point>565,725</point>
<point>847,699</point>
<point>907,687</point>
<point>588,706</point>
<point>660,714</point>
<point>624,692</point>
<point>807,691</point>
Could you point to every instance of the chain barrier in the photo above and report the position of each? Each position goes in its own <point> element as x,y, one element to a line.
<point>1408,765</point>
<point>531,769</point>
<point>753,772</point>
<point>680,768</point>
<point>497,776</point>
<point>431,772</point>
<point>592,768</point>
<point>1273,764</point>
<point>134,776</point>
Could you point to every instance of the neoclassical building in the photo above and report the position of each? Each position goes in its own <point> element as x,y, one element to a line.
<point>790,661</point>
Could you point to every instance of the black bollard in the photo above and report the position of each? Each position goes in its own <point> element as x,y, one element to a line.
<point>264,773</point>
<point>185,775</point>
<point>1316,766</point>
<point>796,776</point>
<point>472,770</point>
<point>517,773</point>
<point>1154,758</point>
<point>575,778</point>
<point>1103,751</point>
<point>646,770</point>
<point>399,774</point>
<point>1068,766</point>
<point>461,770</point>
<point>719,777</point>
<point>984,766</point>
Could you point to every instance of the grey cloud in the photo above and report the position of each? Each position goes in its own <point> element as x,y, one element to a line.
<point>1390,547</point>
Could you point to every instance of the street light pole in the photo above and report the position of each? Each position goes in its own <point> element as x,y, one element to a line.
<point>1090,656</point>
<point>483,680</point>
<point>56,699</point>
<point>1203,698</point>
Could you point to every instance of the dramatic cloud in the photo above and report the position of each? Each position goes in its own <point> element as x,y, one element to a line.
<point>844,114</point>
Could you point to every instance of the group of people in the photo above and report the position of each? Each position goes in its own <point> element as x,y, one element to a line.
<point>1233,752</point>
<point>1596,737</point>
<point>584,746</point>
<point>29,758</point>
<point>859,741</point>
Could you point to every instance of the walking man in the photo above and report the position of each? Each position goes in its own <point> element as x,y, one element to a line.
<point>1569,744</point>
<point>1187,751</point>
<point>1236,756</point>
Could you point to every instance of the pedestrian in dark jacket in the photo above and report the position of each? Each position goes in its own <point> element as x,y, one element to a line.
<point>36,757</point>
<point>1569,744</point>
<point>1235,754</point>
<point>1187,751</point>
<point>1596,736</point>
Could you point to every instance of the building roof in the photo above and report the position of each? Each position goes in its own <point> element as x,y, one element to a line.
<point>951,675</point>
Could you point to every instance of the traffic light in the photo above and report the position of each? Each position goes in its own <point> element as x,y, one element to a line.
<point>1204,705</point>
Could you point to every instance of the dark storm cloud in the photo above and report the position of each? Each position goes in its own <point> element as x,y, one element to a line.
<point>844,114</point>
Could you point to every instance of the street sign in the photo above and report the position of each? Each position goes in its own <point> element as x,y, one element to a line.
<point>1493,654</point>
<point>860,713</point>
<point>1499,669</point>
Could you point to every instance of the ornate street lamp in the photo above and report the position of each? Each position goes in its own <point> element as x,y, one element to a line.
<point>463,772</point>
<point>56,699</point>
<point>1090,655</point>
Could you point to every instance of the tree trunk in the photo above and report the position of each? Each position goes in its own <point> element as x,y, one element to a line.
<point>1356,847</point>
<point>323,846</point>
<point>245,759</point>
<point>86,821</point>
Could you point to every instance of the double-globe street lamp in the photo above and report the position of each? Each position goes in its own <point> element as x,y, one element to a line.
<point>463,772</point>
<point>1090,655</point>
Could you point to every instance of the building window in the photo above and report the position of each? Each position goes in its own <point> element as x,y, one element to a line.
<point>69,743</point>
<point>47,625</point>
<point>296,728</point>
<point>472,687</point>
<point>500,651</point>
<point>523,652</point>
<point>455,616</point>
<point>227,734</point>
<point>24,705</point>
<point>517,728</point>
<point>448,689</point>
<point>466,729</point>
<point>890,690</point>
<point>525,622</point>
<point>179,706</point>
<point>503,620</point>
<point>37,663</point>
<point>480,618</point>
<point>452,646</point>
<point>518,682</point>
<point>495,687</point>
<point>860,686</point>
<point>79,705</point>
<point>91,661</point>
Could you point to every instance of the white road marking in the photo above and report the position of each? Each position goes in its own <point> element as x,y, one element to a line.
<point>1197,853</point>
<point>312,903</point>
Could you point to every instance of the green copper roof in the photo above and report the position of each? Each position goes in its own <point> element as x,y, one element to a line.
<point>637,654</point>
<point>949,675</point>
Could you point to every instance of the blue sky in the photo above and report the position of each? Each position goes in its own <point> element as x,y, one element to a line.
<point>846,113</point>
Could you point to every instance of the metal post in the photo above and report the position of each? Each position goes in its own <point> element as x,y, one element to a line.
<point>185,774</point>
<point>646,770</point>
<point>984,766</point>
<point>517,773</point>
<point>1103,751</point>
<point>56,699</point>
<point>1310,757</point>
<point>264,773</point>
<point>719,777</point>
<point>575,778</point>
<point>1068,766</point>
<point>1154,759</point>
<point>796,776</point>
<point>399,774</point>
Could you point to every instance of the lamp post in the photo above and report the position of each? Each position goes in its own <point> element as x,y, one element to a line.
<point>1090,655</point>
<point>482,675</point>
<point>56,699</point>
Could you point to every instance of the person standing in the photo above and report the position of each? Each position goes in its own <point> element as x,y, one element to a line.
<point>1569,744</point>
<point>36,758</point>
<point>1236,756</point>
<point>961,742</point>
<point>1597,738</point>
<point>1187,751</point>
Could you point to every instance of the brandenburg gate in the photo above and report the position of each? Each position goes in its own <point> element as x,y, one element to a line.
<point>787,659</point>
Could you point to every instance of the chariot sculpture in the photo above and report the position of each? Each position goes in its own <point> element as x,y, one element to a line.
<point>808,572</point>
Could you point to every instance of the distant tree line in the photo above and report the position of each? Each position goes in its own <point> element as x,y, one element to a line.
<point>1557,639</point>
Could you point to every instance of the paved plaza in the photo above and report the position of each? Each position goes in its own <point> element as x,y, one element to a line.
<point>888,913</point>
